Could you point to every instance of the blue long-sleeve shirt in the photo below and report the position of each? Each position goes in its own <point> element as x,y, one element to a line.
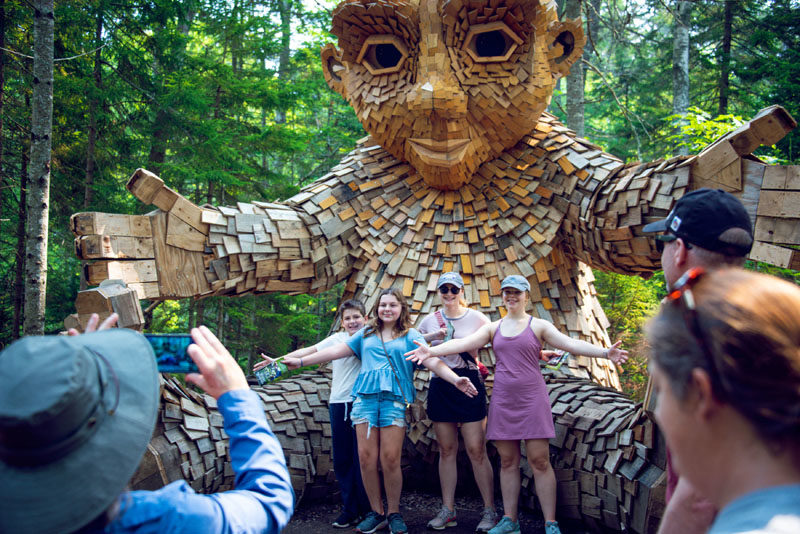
<point>262,501</point>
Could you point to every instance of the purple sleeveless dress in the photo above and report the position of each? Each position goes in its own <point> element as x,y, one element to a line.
<point>520,405</point>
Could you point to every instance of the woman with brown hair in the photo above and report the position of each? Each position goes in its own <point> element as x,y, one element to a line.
<point>383,389</point>
<point>725,362</point>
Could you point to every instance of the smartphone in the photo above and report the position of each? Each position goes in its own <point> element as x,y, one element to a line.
<point>270,372</point>
<point>171,355</point>
<point>556,362</point>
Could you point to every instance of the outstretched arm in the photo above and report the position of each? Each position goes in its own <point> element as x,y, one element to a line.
<point>183,250</point>
<point>442,370</point>
<point>474,341</point>
<point>299,353</point>
<point>551,335</point>
<point>605,203</point>
<point>334,352</point>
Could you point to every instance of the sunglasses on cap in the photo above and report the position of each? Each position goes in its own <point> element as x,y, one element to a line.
<point>667,238</point>
<point>683,296</point>
<point>445,289</point>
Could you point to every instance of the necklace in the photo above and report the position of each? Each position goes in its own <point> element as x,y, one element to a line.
<point>447,317</point>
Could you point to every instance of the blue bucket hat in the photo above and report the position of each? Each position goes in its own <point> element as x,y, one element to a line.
<point>76,415</point>
<point>515,281</point>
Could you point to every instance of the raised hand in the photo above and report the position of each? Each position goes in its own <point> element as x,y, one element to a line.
<point>436,335</point>
<point>768,192</point>
<point>616,354</point>
<point>465,386</point>
<point>91,326</point>
<point>420,354</point>
<point>264,362</point>
<point>160,255</point>
<point>546,355</point>
<point>219,372</point>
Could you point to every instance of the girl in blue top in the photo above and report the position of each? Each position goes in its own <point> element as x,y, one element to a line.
<point>382,390</point>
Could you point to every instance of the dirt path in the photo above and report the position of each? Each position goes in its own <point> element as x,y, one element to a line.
<point>418,508</point>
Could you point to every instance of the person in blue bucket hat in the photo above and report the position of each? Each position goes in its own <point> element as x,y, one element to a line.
<point>76,415</point>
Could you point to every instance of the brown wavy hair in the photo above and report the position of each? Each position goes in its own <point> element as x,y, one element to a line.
<point>751,326</point>
<point>403,323</point>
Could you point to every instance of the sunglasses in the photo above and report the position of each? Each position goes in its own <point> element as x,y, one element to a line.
<point>445,289</point>
<point>668,238</point>
<point>682,295</point>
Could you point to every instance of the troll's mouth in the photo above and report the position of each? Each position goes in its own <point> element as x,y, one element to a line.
<point>440,153</point>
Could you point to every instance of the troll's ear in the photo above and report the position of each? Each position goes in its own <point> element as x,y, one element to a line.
<point>565,45</point>
<point>333,68</point>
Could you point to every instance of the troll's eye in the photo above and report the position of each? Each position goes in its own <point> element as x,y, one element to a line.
<point>491,42</point>
<point>382,54</point>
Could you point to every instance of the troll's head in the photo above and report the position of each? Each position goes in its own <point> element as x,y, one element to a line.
<point>449,84</point>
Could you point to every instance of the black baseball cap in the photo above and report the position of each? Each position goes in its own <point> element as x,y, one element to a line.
<point>703,217</point>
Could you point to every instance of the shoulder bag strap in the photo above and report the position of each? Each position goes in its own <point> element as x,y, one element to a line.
<point>394,371</point>
<point>440,318</point>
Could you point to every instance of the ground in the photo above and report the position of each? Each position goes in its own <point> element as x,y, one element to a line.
<point>418,507</point>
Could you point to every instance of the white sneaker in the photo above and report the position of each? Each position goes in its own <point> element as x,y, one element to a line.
<point>488,520</point>
<point>445,518</point>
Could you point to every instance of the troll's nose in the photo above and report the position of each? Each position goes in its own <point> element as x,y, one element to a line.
<point>438,94</point>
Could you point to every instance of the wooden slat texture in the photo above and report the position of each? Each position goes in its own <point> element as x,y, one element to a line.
<point>616,478</point>
<point>462,169</point>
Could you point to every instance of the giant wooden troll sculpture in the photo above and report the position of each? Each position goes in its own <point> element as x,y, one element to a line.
<point>462,170</point>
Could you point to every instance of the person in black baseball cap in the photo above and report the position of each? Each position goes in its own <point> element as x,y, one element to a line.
<point>707,228</point>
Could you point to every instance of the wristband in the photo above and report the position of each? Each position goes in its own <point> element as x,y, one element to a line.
<point>605,353</point>
<point>301,362</point>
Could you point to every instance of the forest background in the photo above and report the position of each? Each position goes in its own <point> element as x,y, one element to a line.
<point>226,102</point>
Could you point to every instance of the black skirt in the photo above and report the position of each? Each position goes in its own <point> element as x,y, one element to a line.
<point>446,404</point>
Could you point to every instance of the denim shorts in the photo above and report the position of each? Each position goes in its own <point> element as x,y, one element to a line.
<point>379,409</point>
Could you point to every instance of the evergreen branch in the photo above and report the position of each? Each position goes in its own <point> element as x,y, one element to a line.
<point>625,112</point>
<point>25,56</point>
<point>81,55</point>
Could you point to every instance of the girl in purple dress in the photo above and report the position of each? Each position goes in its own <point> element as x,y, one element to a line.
<point>520,407</point>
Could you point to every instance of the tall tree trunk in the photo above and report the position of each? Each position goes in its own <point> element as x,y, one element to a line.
<point>19,286</point>
<point>575,81</point>
<point>158,143</point>
<point>592,17</point>
<point>221,319</point>
<point>680,64</point>
<point>2,84</point>
<point>38,202</point>
<point>200,312</point>
<point>191,313</point>
<point>285,9</point>
<point>725,59</point>
<point>94,106</point>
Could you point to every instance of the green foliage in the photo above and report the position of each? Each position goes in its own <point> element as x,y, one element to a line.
<point>697,129</point>
<point>192,91</point>
<point>629,301</point>
<point>169,317</point>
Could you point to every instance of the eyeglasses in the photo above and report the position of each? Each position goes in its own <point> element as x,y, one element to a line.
<point>682,293</point>
<point>449,289</point>
<point>668,238</point>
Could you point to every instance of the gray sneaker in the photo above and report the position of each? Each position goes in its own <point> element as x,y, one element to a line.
<point>488,520</point>
<point>445,518</point>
